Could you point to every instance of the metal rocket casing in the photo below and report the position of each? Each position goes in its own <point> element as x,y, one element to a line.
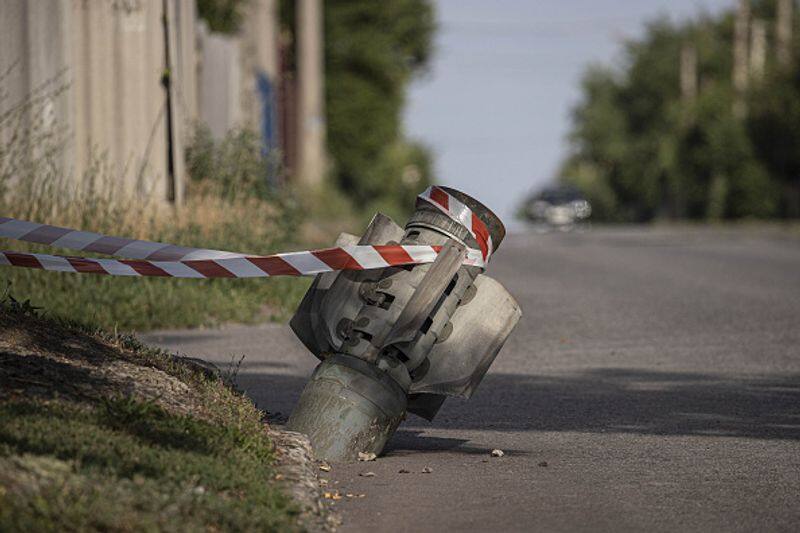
<point>450,367</point>
<point>401,338</point>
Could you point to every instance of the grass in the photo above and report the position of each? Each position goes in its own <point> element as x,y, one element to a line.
<point>131,465</point>
<point>228,207</point>
<point>121,461</point>
<point>142,304</point>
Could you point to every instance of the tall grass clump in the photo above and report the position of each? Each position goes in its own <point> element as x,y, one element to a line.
<point>229,206</point>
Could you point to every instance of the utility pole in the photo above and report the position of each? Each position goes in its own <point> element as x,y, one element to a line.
<point>783,32</point>
<point>740,59</point>
<point>311,96</point>
<point>758,49</point>
<point>688,72</point>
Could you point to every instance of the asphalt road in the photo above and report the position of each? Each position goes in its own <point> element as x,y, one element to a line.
<point>653,383</point>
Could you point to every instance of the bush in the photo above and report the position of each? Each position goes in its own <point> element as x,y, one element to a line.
<point>232,167</point>
<point>643,149</point>
<point>372,51</point>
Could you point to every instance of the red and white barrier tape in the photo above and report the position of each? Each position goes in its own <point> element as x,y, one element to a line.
<point>306,263</point>
<point>158,259</point>
<point>85,241</point>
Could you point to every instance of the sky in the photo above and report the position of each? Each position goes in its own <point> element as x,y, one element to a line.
<point>495,105</point>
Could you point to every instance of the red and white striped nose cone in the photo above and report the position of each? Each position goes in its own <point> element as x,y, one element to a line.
<point>484,226</point>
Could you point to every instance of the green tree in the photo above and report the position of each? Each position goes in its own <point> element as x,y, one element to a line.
<point>372,51</point>
<point>641,149</point>
<point>222,16</point>
<point>774,126</point>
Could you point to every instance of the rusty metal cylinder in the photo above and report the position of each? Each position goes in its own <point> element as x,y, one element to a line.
<point>348,406</point>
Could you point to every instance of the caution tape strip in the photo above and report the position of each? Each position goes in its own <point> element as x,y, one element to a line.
<point>86,241</point>
<point>306,263</point>
<point>146,258</point>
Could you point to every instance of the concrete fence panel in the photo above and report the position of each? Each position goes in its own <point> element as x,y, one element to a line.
<point>128,70</point>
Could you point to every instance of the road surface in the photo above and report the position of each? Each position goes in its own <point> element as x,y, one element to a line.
<point>653,383</point>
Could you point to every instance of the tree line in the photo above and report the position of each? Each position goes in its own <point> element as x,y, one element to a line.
<point>700,120</point>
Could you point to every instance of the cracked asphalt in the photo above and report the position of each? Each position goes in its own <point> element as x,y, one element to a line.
<point>653,383</point>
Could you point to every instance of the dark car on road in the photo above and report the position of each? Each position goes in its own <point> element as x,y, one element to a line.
<point>559,207</point>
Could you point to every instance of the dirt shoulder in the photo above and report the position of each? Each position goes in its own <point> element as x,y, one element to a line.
<point>99,432</point>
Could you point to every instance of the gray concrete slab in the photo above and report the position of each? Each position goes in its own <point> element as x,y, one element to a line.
<point>652,384</point>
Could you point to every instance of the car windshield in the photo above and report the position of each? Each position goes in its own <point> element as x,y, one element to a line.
<point>561,195</point>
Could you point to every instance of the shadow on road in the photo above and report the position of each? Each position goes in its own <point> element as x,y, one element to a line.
<point>411,441</point>
<point>595,401</point>
<point>635,401</point>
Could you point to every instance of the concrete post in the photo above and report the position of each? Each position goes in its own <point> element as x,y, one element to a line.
<point>174,114</point>
<point>783,31</point>
<point>758,49</point>
<point>688,72</point>
<point>311,96</point>
<point>740,66</point>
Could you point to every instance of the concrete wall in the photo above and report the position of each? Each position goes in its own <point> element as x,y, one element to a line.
<point>259,66</point>
<point>34,54</point>
<point>133,88</point>
<point>239,74</point>
<point>220,79</point>
<point>113,56</point>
